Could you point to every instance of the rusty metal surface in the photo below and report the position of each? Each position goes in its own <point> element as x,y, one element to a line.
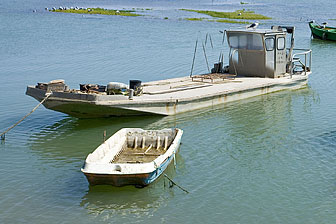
<point>118,180</point>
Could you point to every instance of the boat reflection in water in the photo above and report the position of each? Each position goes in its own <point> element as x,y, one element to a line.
<point>129,202</point>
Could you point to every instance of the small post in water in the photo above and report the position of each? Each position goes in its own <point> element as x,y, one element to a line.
<point>104,135</point>
<point>3,137</point>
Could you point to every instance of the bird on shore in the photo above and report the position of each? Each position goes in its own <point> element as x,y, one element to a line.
<point>252,26</point>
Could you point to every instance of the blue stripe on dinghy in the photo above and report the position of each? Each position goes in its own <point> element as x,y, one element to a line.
<point>156,173</point>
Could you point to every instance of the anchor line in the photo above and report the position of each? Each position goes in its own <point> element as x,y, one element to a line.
<point>166,176</point>
<point>3,133</point>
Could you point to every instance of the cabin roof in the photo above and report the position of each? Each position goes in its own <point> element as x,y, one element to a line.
<point>257,31</point>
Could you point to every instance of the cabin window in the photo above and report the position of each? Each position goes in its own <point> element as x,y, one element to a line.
<point>281,43</point>
<point>246,41</point>
<point>233,41</point>
<point>269,42</point>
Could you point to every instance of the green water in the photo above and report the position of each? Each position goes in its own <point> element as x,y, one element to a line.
<point>267,159</point>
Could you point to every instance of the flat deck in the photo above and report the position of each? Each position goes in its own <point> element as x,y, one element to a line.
<point>184,88</point>
<point>168,97</point>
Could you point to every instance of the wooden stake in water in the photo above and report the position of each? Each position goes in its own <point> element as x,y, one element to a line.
<point>104,135</point>
<point>211,41</point>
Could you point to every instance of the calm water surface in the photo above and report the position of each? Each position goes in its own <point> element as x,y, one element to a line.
<point>268,159</point>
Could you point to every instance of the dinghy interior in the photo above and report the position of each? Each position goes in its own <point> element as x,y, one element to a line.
<point>132,156</point>
<point>139,147</point>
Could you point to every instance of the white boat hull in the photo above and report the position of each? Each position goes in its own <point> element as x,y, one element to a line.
<point>101,169</point>
<point>165,99</point>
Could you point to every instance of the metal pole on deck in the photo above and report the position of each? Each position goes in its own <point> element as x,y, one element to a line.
<point>193,62</point>
<point>206,59</point>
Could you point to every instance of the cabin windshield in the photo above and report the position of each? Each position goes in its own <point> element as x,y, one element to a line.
<point>249,41</point>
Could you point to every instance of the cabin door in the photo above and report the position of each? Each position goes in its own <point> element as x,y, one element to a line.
<point>280,55</point>
<point>270,56</point>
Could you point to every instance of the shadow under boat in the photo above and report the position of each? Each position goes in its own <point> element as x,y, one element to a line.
<point>73,138</point>
<point>129,200</point>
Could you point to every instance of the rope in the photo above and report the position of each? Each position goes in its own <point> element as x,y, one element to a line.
<point>165,175</point>
<point>3,133</point>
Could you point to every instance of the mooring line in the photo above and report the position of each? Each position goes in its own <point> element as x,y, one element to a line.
<point>3,133</point>
<point>165,175</point>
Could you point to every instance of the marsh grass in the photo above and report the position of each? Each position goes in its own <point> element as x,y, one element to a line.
<point>217,20</point>
<point>231,21</point>
<point>238,14</point>
<point>195,19</point>
<point>100,11</point>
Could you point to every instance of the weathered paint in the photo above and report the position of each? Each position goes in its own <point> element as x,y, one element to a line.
<point>101,171</point>
<point>162,104</point>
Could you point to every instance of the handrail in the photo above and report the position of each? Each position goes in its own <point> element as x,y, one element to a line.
<point>302,53</point>
<point>231,58</point>
<point>303,65</point>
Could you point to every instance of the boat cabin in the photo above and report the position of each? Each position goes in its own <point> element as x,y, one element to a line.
<point>258,53</point>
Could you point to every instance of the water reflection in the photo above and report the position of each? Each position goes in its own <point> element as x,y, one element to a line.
<point>107,201</point>
<point>71,139</point>
<point>320,44</point>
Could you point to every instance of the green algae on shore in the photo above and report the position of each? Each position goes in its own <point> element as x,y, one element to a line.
<point>231,21</point>
<point>100,11</point>
<point>238,14</point>
<point>195,19</point>
<point>218,20</point>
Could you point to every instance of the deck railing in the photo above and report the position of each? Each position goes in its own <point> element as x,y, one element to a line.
<point>300,59</point>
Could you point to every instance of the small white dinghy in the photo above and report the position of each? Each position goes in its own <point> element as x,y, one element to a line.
<point>132,156</point>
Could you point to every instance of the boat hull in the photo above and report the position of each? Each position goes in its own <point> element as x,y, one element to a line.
<point>99,170</point>
<point>91,105</point>
<point>119,180</point>
<point>328,33</point>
